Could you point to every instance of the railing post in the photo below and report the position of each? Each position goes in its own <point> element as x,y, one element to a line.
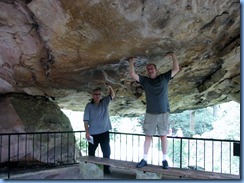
<point>173,147</point>
<point>8,155</point>
<point>181,152</point>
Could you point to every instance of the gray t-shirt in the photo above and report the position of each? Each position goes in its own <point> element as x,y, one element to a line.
<point>97,116</point>
<point>156,91</point>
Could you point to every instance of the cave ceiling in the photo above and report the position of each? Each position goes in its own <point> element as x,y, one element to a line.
<point>63,49</point>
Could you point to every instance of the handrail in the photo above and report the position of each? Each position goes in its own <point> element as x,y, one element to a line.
<point>122,133</point>
<point>63,147</point>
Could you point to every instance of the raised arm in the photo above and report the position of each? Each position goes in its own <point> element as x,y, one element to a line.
<point>111,91</point>
<point>175,65</point>
<point>132,69</point>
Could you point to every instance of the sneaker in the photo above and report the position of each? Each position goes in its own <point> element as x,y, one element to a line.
<point>141,164</point>
<point>165,164</point>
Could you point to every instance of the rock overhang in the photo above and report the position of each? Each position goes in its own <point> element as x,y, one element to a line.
<point>63,49</point>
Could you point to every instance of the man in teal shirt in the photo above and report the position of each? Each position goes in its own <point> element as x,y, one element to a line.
<point>97,123</point>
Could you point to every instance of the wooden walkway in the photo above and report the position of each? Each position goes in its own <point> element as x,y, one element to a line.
<point>171,173</point>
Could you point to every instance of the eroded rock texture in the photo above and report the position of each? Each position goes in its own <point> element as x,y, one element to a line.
<point>62,49</point>
<point>21,114</point>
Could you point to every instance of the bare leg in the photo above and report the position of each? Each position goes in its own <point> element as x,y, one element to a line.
<point>147,143</point>
<point>164,144</point>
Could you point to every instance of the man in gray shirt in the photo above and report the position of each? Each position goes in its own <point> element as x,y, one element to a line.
<point>157,109</point>
<point>97,123</point>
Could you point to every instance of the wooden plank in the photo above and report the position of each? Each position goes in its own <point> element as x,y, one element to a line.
<point>120,164</point>
<point>175,173</point>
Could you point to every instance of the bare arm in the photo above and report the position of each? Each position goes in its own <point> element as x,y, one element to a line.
<point>86,128</point>
<point>111,92</point>
<point>132,69</point>
<point>175,67</point>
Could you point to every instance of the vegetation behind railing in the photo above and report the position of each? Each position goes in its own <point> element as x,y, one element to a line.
<point>28,150</point>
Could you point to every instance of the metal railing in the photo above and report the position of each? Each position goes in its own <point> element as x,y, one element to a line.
<point>20,151</point>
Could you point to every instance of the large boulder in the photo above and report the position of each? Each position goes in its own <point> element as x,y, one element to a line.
<point>20,116</point>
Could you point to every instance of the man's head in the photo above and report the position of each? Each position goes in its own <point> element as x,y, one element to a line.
<point>151,70</point>
<point>96,95</point>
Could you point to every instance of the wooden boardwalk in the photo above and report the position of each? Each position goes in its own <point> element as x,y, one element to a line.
<point>171,173</point>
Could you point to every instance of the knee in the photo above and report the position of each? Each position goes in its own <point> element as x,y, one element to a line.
<point>163,137</point>
<point>148,137</point>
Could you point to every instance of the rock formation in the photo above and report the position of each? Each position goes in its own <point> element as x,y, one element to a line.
<point>61,49</point>
<point>23,113</point>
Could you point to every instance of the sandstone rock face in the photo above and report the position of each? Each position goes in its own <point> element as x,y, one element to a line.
<point>63,49</point>
<point>21,114</point>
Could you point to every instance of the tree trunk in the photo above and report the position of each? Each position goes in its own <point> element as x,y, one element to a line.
<point>215,110</point>
<point>192,120</point>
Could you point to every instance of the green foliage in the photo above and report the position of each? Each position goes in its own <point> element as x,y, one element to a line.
<point>127,124</point>
<point>175,153</point>
<point>227,123</point>
<point>203,120</point>
<point>82,143</point>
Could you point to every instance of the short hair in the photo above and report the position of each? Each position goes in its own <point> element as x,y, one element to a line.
<point>153,65</point>
<point>130,58</point>
<point>97,89</point>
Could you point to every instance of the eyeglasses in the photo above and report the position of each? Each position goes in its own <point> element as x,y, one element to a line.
<point>96,93</point>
